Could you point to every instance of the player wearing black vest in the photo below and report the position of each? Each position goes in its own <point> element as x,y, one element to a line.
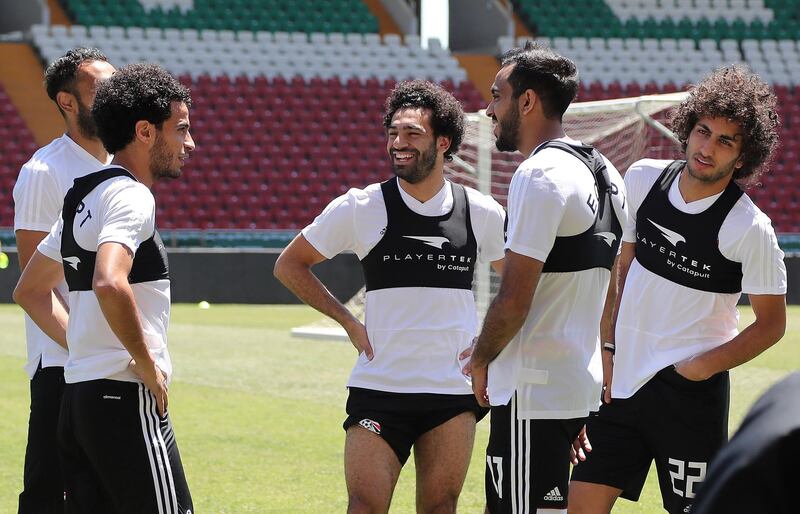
<point>116,442</point>
<point>694,242</point>
<point>537,360</point>
<point>419,238</point>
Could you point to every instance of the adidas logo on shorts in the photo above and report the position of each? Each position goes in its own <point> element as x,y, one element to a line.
<point>372,426</point>
<point>554,495</point>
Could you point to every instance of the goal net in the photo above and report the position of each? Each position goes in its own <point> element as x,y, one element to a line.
<point>624,130</point>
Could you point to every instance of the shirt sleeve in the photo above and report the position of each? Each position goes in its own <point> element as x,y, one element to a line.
<point>633,200</point>
<point>128,216</point>
<point>763,269</point>
<point>50,246</point>
<point>492,246</point>
<point>333,230</point>
<point>535,210</point>
<point>37,199</point>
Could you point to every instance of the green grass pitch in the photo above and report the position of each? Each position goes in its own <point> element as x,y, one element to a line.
<point>258,414</point>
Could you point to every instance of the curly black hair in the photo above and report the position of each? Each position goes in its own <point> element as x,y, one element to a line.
<point>553,77</point>
<point>62,74</point>
<point>134,93</point>
<point>738,95</point>
<point>447,114</point>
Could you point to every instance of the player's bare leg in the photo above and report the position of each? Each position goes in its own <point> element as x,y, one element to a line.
<point>442,458</point>
<point>371,469</point>
<point>588,498</point>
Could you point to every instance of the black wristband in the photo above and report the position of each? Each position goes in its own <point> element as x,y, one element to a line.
<point>609,347</point>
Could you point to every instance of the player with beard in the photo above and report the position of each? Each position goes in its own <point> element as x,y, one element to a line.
<point>537,361</point>
<point>418,237</point>
<point>116,441</point>
<point>39,192</point>
<point>694,242</point>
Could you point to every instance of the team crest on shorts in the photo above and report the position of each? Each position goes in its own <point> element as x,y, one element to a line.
<point>372,426</point>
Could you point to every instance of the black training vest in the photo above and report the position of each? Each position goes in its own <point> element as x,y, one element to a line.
<point>684,248</point>
<point>149,263</point>
<point>597,246</point>
<point>422,251</point>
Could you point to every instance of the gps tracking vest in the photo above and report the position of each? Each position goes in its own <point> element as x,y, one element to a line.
<point>684,248</point>
<point>422,251</point>
<point>149,263</point>
<point>597,246</point>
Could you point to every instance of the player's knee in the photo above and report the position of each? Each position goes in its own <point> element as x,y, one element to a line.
<point>365,504</point>
<point>442,503</point>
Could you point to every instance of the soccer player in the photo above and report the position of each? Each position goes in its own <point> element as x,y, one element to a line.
<point>38,196</point>
<point>539,349</point>
<point>693,243</point>
<point>116,440</point>
<point>419,238</point>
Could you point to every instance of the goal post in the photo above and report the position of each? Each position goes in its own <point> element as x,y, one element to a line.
<point>624,130</point>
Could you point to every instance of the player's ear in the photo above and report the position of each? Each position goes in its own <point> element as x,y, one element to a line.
<point>145,131</point>
<point>443,143</point>
<point>527,100</point>
<point>66,101</point>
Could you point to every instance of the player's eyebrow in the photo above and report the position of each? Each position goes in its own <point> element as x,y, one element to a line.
<point>407,126</point>
<point>727,137</point>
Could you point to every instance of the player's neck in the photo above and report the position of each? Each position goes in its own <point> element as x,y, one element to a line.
<point>139,166</point>
<point>537,134</point>
<point>93,146</point>
<point>692,189</point>
<point>426,189</point>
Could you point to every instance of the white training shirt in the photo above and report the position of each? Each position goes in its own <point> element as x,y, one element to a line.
<point>417,341</point>
<point>38,197</point>
<point>123,211</point>
<point>661,323</point>
<point>553,362</point>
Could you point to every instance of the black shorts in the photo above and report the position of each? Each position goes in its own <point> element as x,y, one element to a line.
<point>401,418</point>
<point>118,454</point>
<point>679,423</point>
<point>527,461</point>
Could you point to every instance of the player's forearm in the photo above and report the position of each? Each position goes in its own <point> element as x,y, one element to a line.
<point>298,278</point>
<point>608,319</point>
<point>46,311</point>
<point>747,345</point>
<point>119,308</point>
<point>619,273</point>
<point>503,320</point>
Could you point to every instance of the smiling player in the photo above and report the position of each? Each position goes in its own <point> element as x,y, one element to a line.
<point>418,237</point>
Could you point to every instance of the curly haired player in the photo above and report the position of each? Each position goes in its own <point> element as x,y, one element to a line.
<point>418,237</point>
<point>693,244</point>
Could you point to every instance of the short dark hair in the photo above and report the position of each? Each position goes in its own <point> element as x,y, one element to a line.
<point>740,96</point>
<point>134,93</point>
<point>553,77</point>
<point>62,74</point>
<point>447,114</point>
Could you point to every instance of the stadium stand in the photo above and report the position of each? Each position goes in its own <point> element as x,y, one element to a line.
<point>327,16</point>
<point>667,19</point>
<point>16,147</point>
<point>288,94</point>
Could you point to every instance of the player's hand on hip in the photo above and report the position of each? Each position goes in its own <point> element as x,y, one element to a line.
<point>155,380</point>
<point>608,375</point>
<point>580,447</point>
<point>691,369</point>
<point>466,356</point>
<point>480,384</point>
<point>358,336</point>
